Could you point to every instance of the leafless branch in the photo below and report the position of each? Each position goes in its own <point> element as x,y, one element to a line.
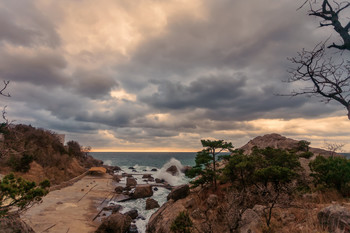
<point>6,83</point>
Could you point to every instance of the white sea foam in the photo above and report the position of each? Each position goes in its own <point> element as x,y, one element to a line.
<point>178,179</point>
<point>108,162</point>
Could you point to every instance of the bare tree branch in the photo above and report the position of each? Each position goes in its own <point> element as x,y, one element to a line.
<point>6,83</point>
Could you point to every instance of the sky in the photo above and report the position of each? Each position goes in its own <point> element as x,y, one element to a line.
<point>153,75</point>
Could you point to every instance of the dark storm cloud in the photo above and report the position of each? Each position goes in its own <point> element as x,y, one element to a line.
<point>39,67</point>
<point>22,23</point>
<point>208,92</point>
<point>93,84</point>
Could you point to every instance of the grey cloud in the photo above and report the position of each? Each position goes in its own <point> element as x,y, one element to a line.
<point>93,84</point>
<point>22,23</point>
<point>40,68</point>
<point>208,92</point>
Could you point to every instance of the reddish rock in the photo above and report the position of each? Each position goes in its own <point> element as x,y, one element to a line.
<point>173,170</point>
<point>116,223</point>
<point>130,181</point>
<point>151,204</point>
<point>142,190</point>
<point>179,192</point>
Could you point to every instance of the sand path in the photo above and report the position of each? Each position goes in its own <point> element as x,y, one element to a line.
<point>71,209</point>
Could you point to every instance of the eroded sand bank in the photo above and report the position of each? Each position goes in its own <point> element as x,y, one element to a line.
<point>71,209</point>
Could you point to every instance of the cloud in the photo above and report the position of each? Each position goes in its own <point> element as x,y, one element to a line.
<point>158,74</point>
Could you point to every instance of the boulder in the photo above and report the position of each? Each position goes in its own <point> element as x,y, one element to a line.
<point>335,218</point>
<point>151,204</point>
<point>113,208</point>
<point>117,223</point>
<point>117,178</point>
<point>158,181</point>
<point>119,189</point>
<point>179,192</point>
<point>173,170</point>
<point>146,176</point>
<point>142,190</point>
<point>212,201</point>
<point>250,222</point>
<point>132,213</point>
<point>133,229</point>
<point>130,181</point>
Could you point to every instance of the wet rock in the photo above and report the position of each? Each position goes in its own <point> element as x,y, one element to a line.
<point>117,223</point>
<point>141,191</point>
<point>154,169</point>
<point>133,229</point>
<point>146,176</point>
<point>119,189</point>
<point>335,218</point>
<point>212,200</point>
<point>151,204</point>
<point>117,178</point>
<point>141,217</point>
<point>130,181</point>
<point>155,189</point>
<point>134,170</point>
<point>173,170</point>
<point>124,174</point>
<point>132,213</point>
<point>131,168</point>
<point>113,208</point>
<point>179,192</point>
<point>151,179</point>
<point>158,181</point>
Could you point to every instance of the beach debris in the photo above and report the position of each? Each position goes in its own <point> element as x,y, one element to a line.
<point>151,204</point>
<point>179,192</point>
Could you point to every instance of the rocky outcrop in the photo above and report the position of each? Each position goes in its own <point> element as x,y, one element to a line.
<point>14,224</point>
<point>212,201</point>
<point>278,141</point>
<point>151,204</point>
<point>335,218</point>
<point>161,220</point>
<point>143,190</point>
<point>116,223</point>
<point>179,192</point>
<point>173,170</point>
<point>130,181</point>
<point>250,222</point>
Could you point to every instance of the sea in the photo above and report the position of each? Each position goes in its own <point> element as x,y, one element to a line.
<point>137,163</point>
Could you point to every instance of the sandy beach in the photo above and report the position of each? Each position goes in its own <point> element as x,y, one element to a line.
<point>73,208</point>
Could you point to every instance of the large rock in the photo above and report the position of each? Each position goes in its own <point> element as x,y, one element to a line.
<point>14,224</point>
<point>132,213</point>
<point>151,204</point>
<point>142,190</point>
<point>335,218</point>
<point>212,201</point>
<point>173,170</point>
<point>116,223</point>
<point>130,181</point>
<point>113,208</point>
<point>179,192</point>
<point>250,222</point>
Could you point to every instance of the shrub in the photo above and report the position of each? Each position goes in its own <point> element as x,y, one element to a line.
<point>182,223</point>
<point>332,172</point>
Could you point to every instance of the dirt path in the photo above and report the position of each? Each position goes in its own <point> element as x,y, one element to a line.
<point>71,209</point>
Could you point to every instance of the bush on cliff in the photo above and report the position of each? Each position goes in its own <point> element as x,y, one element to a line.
<point>182,223</point>
<point>332,172</point>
